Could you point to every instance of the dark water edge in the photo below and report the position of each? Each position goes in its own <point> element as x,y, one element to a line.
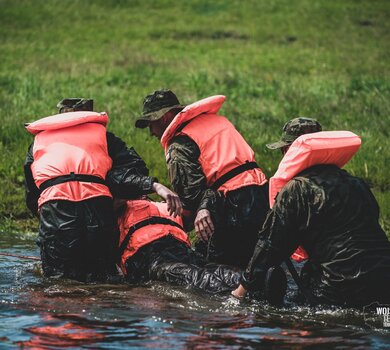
<point>51,314</point>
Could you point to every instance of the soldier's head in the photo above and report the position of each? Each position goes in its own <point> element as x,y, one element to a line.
<point>74,105</point>
<point>159,109</point>
<point>292,130</point>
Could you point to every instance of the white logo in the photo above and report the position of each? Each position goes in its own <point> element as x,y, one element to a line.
<point>377,315</point>
<point>385,312</point>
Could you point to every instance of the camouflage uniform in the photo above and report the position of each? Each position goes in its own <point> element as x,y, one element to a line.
<point>238,214</point>
<point>334,217</point>
<point>187,177</point>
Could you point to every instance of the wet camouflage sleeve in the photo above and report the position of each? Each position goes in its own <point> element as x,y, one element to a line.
<point>280,236</point>
<point>32,191</point>
<point>187,177</point>
<point>129,177</point>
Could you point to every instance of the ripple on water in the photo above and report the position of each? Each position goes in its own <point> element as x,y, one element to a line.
<point>41,313</point>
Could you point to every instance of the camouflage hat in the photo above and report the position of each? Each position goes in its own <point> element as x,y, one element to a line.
<point>295,128</point>
<point>77,104</point>
<point>156,105</point>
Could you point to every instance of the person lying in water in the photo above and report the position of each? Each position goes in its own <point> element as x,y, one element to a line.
<point>328,212</point>
<point>154,246</point>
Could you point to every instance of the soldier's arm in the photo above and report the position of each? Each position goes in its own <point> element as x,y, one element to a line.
<point>187,177</point>
<point>129,177</point>
<point>280,235</point>
<point>32,191</point>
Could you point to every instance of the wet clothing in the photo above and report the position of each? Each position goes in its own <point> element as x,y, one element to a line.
<point>142,222</point>
<point>170,260</point>
<point>70,233</point>
<point>334,217</point>
<point>212,167</point>
<point>307,150</point>
<point>239,213</point>
<point>157,248</point>
<point>186,175</point>
<point>236,225</point>
<point>78,240</point>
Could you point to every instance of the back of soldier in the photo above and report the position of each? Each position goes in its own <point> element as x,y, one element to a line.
<point>345,238</point>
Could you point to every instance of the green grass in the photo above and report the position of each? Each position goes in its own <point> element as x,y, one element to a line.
<point>273,60</point>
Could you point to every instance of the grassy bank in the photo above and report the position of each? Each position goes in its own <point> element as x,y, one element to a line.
<point>273,60</point>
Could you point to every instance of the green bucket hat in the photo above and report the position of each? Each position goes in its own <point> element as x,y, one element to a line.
<point>295,128</point>
<point>156,105</point>
<point>77,104</point>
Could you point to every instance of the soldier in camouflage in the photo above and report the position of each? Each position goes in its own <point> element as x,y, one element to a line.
<point>219,219</point>
<point>334,217</point>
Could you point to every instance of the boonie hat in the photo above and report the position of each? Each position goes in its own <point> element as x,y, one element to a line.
<point>295,128</point>
<point>78,104</point>
<point>156,105</point>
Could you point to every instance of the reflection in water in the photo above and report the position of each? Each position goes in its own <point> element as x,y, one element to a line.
<point>65,335</point>
<point>49,314</point>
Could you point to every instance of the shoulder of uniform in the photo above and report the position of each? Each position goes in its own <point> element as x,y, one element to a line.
<point>296,183</point>
<point>182,147</point>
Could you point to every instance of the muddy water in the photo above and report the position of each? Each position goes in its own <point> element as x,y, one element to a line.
<point>45,314</point>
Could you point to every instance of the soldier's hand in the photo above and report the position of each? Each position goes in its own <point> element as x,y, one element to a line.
<point>204,226</point>
<point>172,199</point>
<point>240,292</point>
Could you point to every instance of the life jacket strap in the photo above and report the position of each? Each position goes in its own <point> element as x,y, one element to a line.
<point>232,173</point>
<point>153,220</point>
<point>71,177</point>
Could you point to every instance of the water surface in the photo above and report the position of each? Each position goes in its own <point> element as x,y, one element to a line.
<point>52,314</point>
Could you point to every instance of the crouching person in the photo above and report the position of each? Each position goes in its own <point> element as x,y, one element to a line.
<point>72,170</point>
<point>154,246</point>
<point>330,214</point>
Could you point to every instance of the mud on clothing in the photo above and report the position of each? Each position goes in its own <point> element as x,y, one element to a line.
<point>127,178</point>
<point>237,216</point>
<point>334,217</point>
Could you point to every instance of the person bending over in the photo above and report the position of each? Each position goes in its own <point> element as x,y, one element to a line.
<point>331,214</point>
<point>72,169</point>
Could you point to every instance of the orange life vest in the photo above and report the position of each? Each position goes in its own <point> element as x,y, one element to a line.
<point>227,161</point>
<point>70,156</point>
<point>324,147</point>
<point>143,222</point>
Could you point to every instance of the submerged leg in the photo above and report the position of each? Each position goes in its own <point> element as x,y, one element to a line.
<point>210,278</point>
<point>174,262</point>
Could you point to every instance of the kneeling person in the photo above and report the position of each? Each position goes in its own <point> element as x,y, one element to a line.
<point>331,214</point>
<point>154,246</point>
<point>213,170</point>
<point>73,168</point>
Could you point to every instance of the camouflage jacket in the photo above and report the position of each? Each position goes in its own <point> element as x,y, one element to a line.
<point>334,217</point>
<point>187,177</point>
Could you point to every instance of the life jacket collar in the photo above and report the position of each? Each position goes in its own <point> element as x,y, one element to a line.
<point>324,147</point>
<point>65,120</point>
<point>209,105</point>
